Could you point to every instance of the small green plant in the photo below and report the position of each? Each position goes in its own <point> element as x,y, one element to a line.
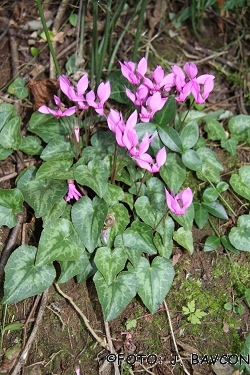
<point>194,315</point>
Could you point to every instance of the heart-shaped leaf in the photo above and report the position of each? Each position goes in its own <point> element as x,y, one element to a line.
<point>189,135</point>
<point>115,297</point>
<point>154,281</point>
<point>173,172</point>
<point>59,241</point>
<point>10,136</point>
<point>239,236</point>
<point>139,236</point>
<point>56,169</point>
<point>211,167</point>
<point>110,263</point>
<point>184,238</point>
<point>88,218</point>
<point>29,279</point>
<point>70,269</point>
<point>40,194</point>
<point>95,175</point>
<point>11,201</point>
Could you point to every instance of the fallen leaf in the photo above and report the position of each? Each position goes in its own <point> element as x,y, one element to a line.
<point>148,318</point>
<point>59,37</point>
<point>43,91</point>
<point>176,258</point>
<point>226,328</point>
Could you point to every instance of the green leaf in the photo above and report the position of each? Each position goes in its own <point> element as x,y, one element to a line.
<point>115,297</point>
<point>59,241</point>
<point>139,236</point>
<point>133,254</point>
<point>122,219</point>
<point>189,135</point>
<point>56,169</point>
<point>241,183</point>
<point>199,313</point>
<point>73,19</point>
<point>70,269</point>
<point>58,149</point>
<point>170,137</point>
<point>164,241</point>
<point>227,245</point>
<point>210,194</point>
<point>185,310</point>
<point>239,236</point>
<point>215,130</point>
<point>173,172</point>
<point>34,51</point>
<point>212,243</point>
<point>222,186</point>
<point>211,167</point>
<point>185,220</point>
<point>88,217</point>
<point>18,89</point>
<point>31,145</point>
<point>246,353</point>
<point>10,136</point>
<point>228,306</point>
<point>110,263</point>
<point>154,281</point>
<point>47,126</point>
<point>166,114</point>
<point>216,209</point>
<point>29,279</point>
<point>55,212</point>
<point>95,175</point>
<point>191,306</point>
<point>131,324</point>
<point>5,116</point>
<point>13,326</point>
<point>11,202</point>
<point>118,83</point>
<point>191,115</point>
<point>200,215</point>
<point>238,126</point>
<point>113,194</point>
<point>5,152</point>
<point>151,211</point>
<point>230,145</point>
<point>184,238</point>
<point>191,160</point>
<point>41,195</point>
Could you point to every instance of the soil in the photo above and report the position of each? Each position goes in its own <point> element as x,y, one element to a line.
<point>208,278</point>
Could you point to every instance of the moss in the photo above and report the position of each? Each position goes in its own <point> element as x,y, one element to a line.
<point>212,302</point>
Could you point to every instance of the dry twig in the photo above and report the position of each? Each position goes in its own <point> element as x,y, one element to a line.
<point>25,351</point>
<point>86,321</point>
<point>173,337</point>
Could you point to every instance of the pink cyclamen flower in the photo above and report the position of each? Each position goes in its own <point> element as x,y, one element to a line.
<point>133,74</point>
<point>60,112</point>
<point>179,204</point>
<point>72,191</point>
<point>140,95</point>
<point>145,161</point>
<point>69,90</point>
<point>97,102</point>
<point>193,86</point>
<point>157,80</point>
<point>154,103</point>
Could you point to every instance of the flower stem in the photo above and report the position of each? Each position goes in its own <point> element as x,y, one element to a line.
<point>163,217</point>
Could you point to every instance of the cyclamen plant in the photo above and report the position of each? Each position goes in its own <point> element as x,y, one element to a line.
<point>117,215</point>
